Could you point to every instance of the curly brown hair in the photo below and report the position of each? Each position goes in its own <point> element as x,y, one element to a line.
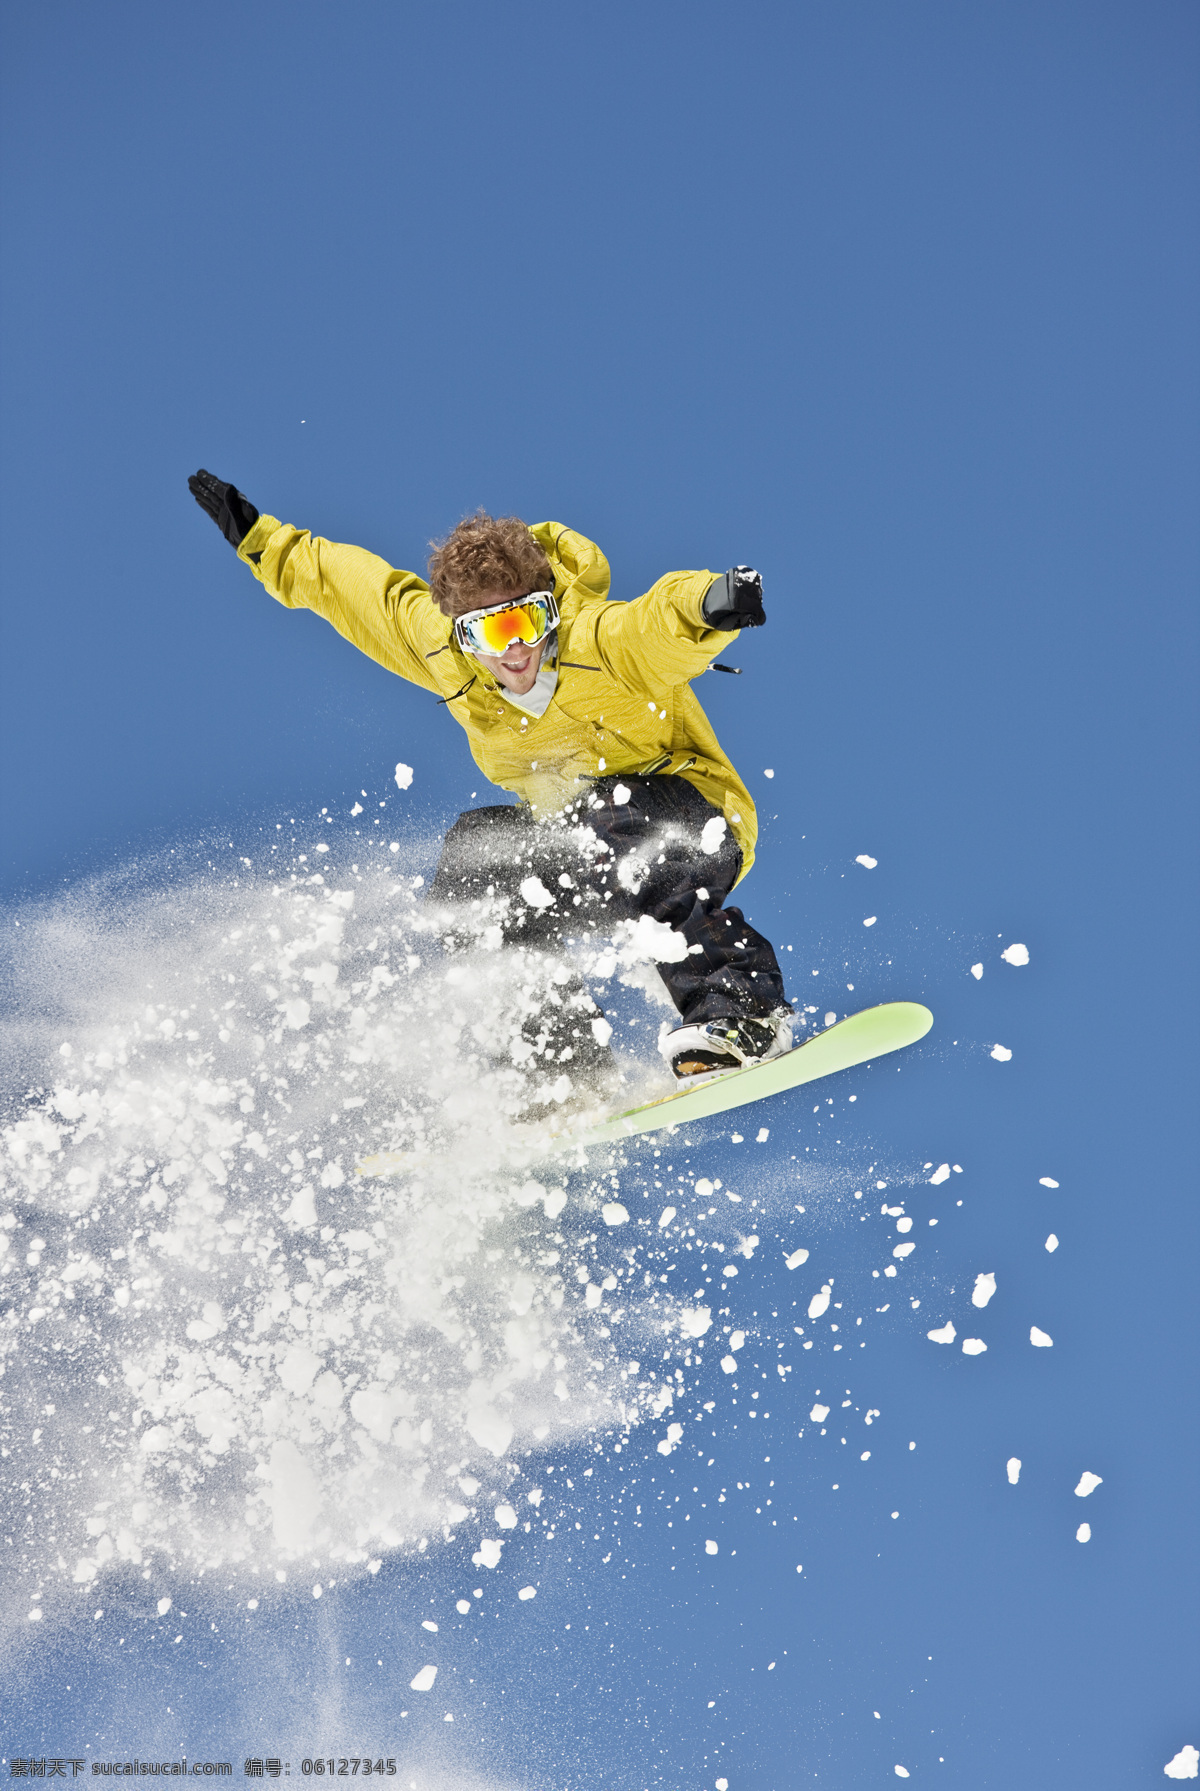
<point>485,555</point>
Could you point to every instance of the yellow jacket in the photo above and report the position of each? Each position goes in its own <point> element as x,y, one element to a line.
<point>622,702</point>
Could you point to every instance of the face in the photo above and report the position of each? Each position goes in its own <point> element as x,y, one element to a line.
<point>517,667</point>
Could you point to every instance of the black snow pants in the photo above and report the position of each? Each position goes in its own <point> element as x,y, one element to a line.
<point>642,855</point>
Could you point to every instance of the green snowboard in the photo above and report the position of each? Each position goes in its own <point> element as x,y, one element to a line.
<point>872,1033</point>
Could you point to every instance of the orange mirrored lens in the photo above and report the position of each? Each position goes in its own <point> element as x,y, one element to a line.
<point>508,625</point>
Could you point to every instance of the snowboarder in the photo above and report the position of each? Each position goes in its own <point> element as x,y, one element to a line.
<point>581,706</point>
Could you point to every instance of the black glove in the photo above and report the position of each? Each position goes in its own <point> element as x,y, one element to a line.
<point>229,508</point>
<point>735,600</point>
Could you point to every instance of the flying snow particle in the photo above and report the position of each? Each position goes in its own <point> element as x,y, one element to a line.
<point>424,1680</point>
<point>947,1334</point>
<point>1001,1053</point>
<point>796,1258</point>
<point>404,777</point>
<point>613,1213</point>
<point>764,1133</point>
<point>819,1414</point>
<point>819,1304</point>
<point>1039,1339</point>
<point>712,833</point>
<point>535,893</point>
<point>1052,1243</point>
<point>487,1555</point>
<point>164,1605</point>
<point>901,1772</point>
<point>1015,954</point>
<point>1014,1469</point>
<point>621,794</point>
<point>1047,1181</point>
<point>665,1217</point>
<point>1088,1484</point>
<point>672,1439</point>
<point>1084,1533</point>
<point>526,1593</point>
<point>985,1287</point>
<point>1185,1765</point>
<point>977,971</point>
<point>506,1517</point>
<point>868,863</point>
<point>601,1031</point>
<point>737,1339</point>
<point>973,1346</point>
<point>941,1174</point>
<point>710,1548</point>
<point>430,1625</point>
<point>768,774</point>
<point>870,920</point>
<point>729,1364</point>
<point>830,1019</point>
<point>463,1607</point>
<point>695,1321</point>
<point>704,1188</point>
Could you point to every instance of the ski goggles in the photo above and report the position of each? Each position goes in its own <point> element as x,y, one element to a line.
<point>492,630</point>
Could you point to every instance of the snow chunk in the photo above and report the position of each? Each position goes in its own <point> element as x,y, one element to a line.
<point>941,1174</point>
<point>768,774</point>
<point>526,1593</point>
<point>947,1334</point>
<point>1185,1765</point>
<point>901,1772</point>
<point>424,1680</point>
<point>650,941</point>
<point>737,1339</point>
<point>487,1555</point>
<point>870,920</point>
<point>1015,954</point>
<point>489,1428</point>
<point>164,1605</point>
<point>1047,1181</point>
<point>903,1250</point>
<point>1001,1053</point>
<point>1084,1533</point>
<point>710,1548</point>
<point>535,893</point>
<point>665,1217</point>
<point>819,1414</point>
<point>672,1439</point>
<point>796,1258</point>
<point>985,1287</point>
<point>1014,1469</point>
<point>973,1346</point>
<point>694,1321</point>
<point>712,833</point>
<point>295,1014</point>
<point>613,1213</point>
<point>819,1304</point>
<point>704,1187</point>
<point>303,1210</point>
<point>621,794</point>
<point>404,777</point>
<point>1087,1485</point>
<point>1039,1339</point>
<point>977,971</point>
<point>764,1133</point>
<point>506,1517</point>
<point>868,863</point>
<point>1052,1243</point>
<point>729,1364</point>
<point>601,1031</point>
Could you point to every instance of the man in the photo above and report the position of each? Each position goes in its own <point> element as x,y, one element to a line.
<point>583,708</point>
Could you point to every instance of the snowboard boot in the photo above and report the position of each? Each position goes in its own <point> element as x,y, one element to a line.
<point>727,1044</point>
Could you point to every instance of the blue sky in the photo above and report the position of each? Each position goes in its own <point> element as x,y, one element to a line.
<point>898,304</point>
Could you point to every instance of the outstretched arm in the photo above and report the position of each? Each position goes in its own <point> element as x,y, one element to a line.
<point>384,612</point>
<point>675,631</point>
